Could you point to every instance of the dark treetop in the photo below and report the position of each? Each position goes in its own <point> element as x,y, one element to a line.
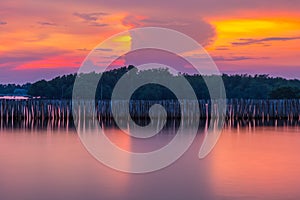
<point>237,86</point>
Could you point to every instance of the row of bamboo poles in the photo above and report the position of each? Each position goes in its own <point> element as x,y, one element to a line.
<point>235,108</point>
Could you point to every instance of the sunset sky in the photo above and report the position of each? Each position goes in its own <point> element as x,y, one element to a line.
<point>43,39</point>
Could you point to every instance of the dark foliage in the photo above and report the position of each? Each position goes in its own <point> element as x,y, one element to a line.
<point>285,92</point>
<point>10,89</point>
<point>237,86</point>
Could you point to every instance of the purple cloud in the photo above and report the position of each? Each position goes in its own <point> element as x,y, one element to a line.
<point>46,23</point>
<point>8,75</point>
<point>89,16</point>
<point>3,23</point>
<point>18,59</point>
<point>197,29</point>
<point>83,49</point>
<point>249,41</point>
<point>237,58</point>
<point>194,7</point>
<point>98,24</point>
<point>222,48</point>
<point>104,49</point>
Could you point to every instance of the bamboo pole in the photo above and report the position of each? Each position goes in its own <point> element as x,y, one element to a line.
<point>236,108</point>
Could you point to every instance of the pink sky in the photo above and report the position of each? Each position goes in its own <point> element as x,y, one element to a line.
<point>43,39</point>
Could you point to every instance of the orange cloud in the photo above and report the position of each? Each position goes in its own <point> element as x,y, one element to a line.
<point>274,37</point>
<point>230,30</point>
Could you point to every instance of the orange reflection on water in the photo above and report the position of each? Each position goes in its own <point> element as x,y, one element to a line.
<point>264,162</point>
<point>53,163</point>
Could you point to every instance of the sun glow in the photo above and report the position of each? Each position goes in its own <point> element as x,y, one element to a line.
<point>230,30</point>
<point>233,29</point>
<point>256,41</point>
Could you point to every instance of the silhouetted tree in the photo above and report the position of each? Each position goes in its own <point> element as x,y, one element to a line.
<point>236,86</point>
<point>285,93</point>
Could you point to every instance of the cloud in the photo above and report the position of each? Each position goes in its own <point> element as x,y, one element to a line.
<point>83,49</point>
<point>197,29</point>
<point>237,58</point>
<point>46,23</point>
<point>14,58</point>
<point>31,75</point>
<point>249,41</point>
<point>89,16</point>
<point>3,23</point>
<point>93,19</point>
<point>18,59</point>
<point>222,48</point>
<point>194,7</point>
<point>104,49</point>
<point>98,24</point>
<point>131,20</point>
<point>38,38</point>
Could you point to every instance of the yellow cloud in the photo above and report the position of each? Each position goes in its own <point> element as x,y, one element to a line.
<point>230,30</point>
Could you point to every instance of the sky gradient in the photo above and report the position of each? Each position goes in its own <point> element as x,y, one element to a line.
<point>43,39</point>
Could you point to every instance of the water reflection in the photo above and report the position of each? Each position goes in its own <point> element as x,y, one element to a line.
<point>52,164</point>
<point>261,163</point>
<point>252,160</point>
<point>171,125</point>
<point>232,123</point>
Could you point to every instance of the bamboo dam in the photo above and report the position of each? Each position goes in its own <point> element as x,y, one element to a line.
<point>235,108</point>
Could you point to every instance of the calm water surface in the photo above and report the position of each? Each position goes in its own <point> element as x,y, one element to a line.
<point>247,163</point>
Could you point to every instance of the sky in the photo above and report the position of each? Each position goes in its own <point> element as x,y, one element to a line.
<point>44,39</point>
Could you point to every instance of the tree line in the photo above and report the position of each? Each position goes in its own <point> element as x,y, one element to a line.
<point>236,86</point>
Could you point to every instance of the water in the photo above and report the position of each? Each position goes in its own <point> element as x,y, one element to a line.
<point>248,162</point>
